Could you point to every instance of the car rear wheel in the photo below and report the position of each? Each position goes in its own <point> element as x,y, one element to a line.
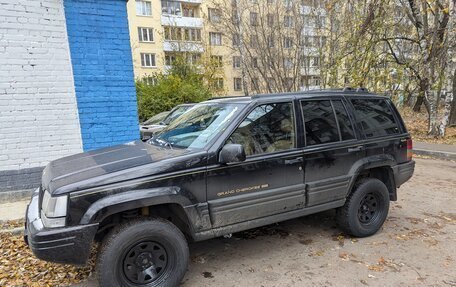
<point>143,253</point>
<point>365,209</point>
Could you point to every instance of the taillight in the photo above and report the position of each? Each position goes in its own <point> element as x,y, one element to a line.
<point>409,149</point>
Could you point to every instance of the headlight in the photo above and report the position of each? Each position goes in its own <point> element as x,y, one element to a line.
<point>53,210</point>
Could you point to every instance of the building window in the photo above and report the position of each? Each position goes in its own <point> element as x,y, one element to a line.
<point>151,81</point>
<point>288,63</point>
<point>190,11</point>
<point>270,42</point>
<point>288,21</point>
<point>191,34</point>
<point>235,19</point>
<point>315,81</point>
<point>315,62</point>
<point>288,4</point>
<point>237,84</point>
<point>217,83</point>
<point>215,39</point>
<point>255,83</point>
<point>254,41</point>
<point>173,33</point>
<point>214,15</point>
<point>270,20</point>
<point>143,8</point>
<point>217,61</point>
<point>169,59</point>
<point>253,19</point>
<point>193,58</point>
<point>147,60</point>
<point>255,62</point>
<point>288,42</point>
<point>145,34</point>
<point>236,62</point>
<point>171,8</point>
<point>236,40</point>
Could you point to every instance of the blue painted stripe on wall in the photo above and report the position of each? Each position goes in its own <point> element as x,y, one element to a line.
<point>103,71</point>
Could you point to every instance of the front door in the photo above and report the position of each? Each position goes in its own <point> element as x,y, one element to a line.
<point>271,180</point>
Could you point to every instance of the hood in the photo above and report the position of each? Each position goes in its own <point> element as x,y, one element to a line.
<point>80,171</point>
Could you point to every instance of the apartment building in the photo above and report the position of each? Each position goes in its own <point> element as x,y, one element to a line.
<point>161,29</point>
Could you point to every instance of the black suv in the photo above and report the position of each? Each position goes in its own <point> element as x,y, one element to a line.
<point>224,166</point>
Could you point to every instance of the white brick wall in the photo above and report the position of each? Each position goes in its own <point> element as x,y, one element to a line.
<point>38,112</point>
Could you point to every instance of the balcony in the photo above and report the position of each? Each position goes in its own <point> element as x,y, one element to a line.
<point>309,71</point>
<point>182,46</point>
<point>191,1</point>
<point>309,10</point>
<point>180,21</point>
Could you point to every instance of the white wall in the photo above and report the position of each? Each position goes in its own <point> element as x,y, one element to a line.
<point>38,111</point>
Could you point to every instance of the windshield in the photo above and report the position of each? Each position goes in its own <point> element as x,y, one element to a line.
<point>156,119</point>
<point>176,112</point>
<point>198,126</point>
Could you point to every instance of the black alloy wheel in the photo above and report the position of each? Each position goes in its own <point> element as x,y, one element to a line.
<point>145,262</point>
<point>368,208</point>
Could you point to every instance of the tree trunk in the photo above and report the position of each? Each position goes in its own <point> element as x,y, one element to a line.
<point>419,102</point>
<point>452,120</point>
<point>433,114</point>
<point>446,114</point>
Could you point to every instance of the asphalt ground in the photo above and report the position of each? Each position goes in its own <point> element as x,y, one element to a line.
<point>415,247</point>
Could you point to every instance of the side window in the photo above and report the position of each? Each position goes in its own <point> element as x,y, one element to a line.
<point>345,126</point>
<point>268,128</point>
<point>320,122</point>
<point>375,117</point>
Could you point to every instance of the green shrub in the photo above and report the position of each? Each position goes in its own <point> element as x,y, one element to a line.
<point>182,84</point>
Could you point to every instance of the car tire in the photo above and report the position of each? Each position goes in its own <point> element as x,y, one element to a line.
<point>365,209</point>
<point>143,252</point>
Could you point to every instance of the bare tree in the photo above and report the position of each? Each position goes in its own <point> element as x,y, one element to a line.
<point>429,37</point>
<point>277,42</point>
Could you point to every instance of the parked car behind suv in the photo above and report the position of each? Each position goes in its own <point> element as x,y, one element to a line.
<point>147,129</point>
<point>224,166</point>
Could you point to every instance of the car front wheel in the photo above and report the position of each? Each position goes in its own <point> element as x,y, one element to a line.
<point>365,209</point>
<point>143,253</point>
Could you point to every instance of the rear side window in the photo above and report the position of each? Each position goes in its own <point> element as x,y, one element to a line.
<point>375,117</point>
<point>320,122</point>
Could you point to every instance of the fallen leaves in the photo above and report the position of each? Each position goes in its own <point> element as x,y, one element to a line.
<point>10,224</point>
<point>19,267</point>
<point>417,125</point>
<point>317,253</point>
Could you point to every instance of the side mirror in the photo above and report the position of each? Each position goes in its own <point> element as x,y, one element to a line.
<point>232,153</point>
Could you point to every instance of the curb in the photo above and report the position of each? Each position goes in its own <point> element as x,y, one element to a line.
<point>14,231</point>
<point>15,195</point>
<point>436,154</point>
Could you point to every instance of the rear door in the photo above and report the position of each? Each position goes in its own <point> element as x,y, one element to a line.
<point>331,149</point>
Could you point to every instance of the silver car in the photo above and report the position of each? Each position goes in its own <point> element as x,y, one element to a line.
<point>151,126</point>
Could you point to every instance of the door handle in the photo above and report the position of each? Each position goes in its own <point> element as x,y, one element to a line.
<point>355,149</point>
<point>293,161</point>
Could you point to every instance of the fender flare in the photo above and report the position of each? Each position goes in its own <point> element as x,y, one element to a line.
<point>119,202</point>
<point>383,160</point>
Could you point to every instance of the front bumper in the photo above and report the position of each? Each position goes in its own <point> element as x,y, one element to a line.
<point>69,245</point>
